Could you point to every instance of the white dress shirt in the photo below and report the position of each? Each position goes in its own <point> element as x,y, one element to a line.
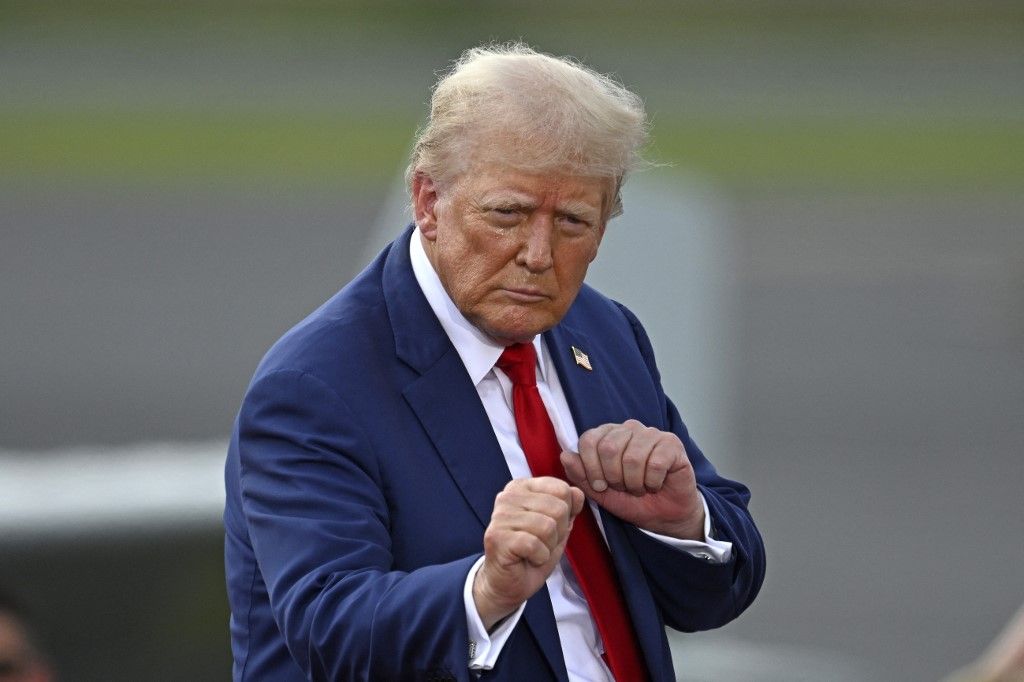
<point>580,640</point>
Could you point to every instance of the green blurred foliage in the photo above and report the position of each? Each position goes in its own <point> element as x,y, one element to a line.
<point>751,138</point>
<point>320,150</point>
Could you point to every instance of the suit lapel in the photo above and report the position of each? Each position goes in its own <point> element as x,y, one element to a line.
<point>586,390</point>
<point>642,608</point>
<point>443,397</point>
<point>449,409</point>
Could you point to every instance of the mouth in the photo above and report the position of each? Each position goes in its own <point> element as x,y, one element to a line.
<point>525,294</point>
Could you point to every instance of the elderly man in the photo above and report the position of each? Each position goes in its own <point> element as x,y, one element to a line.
<point>463,464</point>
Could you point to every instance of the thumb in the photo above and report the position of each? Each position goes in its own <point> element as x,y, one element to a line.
<point>574,471</point>
<point>576,476</point>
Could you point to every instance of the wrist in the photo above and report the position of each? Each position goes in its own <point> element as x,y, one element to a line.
<point>689,528</point>
<point>491,609</point>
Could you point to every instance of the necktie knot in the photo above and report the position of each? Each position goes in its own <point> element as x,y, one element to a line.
<point>519,362</point>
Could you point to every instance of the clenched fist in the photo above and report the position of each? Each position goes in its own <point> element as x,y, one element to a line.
<point>523,543</point>
<point>640,474</point>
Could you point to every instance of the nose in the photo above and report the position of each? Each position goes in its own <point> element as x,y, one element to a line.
<point>536,251</point>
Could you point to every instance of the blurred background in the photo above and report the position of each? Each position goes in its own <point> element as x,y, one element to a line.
<point>180,183</point>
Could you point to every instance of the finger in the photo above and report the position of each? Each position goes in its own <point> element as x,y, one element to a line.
<point>554,508</point>
<point>573,465</point>
<point>554,500</point>
<point>545,528</point>
<point>547,485</point>
<point>524,546</point>
<point>635,459</point>
<point>609,453</point>
<point>664,458</point>
<point>589,458</point>
<point>520,493</point>
<point>578,500</point>
<point>589,493</point>
<point>562,491</point>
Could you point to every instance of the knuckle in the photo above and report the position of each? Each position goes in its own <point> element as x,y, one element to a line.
<point>530,545</point>
<point>504,499</point>
<point>657,464</point>
<point>552,486</point>
<point>608,448</point>
<point>519,542</point>
<point>552,507</point>
<point>493,537</point>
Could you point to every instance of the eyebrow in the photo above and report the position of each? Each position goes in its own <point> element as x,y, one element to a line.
<point>508,198</point>
<point>578,208</point>
<point>513,199</point>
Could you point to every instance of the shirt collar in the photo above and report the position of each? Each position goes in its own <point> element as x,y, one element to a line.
<point>477,350</point>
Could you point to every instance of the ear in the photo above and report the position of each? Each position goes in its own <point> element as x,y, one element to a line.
<point>424,204</point>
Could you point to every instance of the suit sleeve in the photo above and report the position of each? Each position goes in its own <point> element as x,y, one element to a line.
<point>317,515</point>
<point>692,593</point>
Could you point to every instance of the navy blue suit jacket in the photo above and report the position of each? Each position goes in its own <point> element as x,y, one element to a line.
<point>362,473</point>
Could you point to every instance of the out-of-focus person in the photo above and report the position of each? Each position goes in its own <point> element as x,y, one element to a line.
<point>1003,661</point>
<point>20,657</point>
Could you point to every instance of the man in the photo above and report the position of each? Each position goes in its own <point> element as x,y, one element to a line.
<point>463,464</point>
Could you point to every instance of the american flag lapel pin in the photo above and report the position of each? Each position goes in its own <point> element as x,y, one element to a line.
<point>581,359</point>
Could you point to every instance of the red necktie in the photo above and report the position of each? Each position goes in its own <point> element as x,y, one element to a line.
<point>588,555</point>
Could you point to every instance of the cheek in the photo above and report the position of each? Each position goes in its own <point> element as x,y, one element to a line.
<point>574,269</point>
<point>466,280</point>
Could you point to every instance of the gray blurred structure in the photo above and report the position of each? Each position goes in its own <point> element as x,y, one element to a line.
<point>103,492</point>
<point>672,258</point>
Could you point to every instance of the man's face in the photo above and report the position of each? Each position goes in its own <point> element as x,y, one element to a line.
<point>512,248</point>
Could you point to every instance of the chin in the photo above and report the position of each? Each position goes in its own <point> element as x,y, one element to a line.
<point>506,337</point>
<point>516,325</point>
<point>507,334</point>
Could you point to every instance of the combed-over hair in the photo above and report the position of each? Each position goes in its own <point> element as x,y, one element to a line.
<point>558,116</point>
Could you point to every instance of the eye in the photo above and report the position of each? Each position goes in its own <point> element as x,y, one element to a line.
<point>572,223</point>
<point>503,216</point>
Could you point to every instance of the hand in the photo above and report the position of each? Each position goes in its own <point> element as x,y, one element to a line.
<point>523,543</point>
<point>640,474</point>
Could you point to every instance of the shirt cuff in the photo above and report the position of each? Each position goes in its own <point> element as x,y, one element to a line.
<point>711,550</point>
<point>484,647</point>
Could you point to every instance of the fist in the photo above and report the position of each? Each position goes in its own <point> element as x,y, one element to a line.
<point>523,543</point>
<point>640,474</point>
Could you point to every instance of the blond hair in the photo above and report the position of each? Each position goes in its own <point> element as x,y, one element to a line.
<point>556,114</point>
